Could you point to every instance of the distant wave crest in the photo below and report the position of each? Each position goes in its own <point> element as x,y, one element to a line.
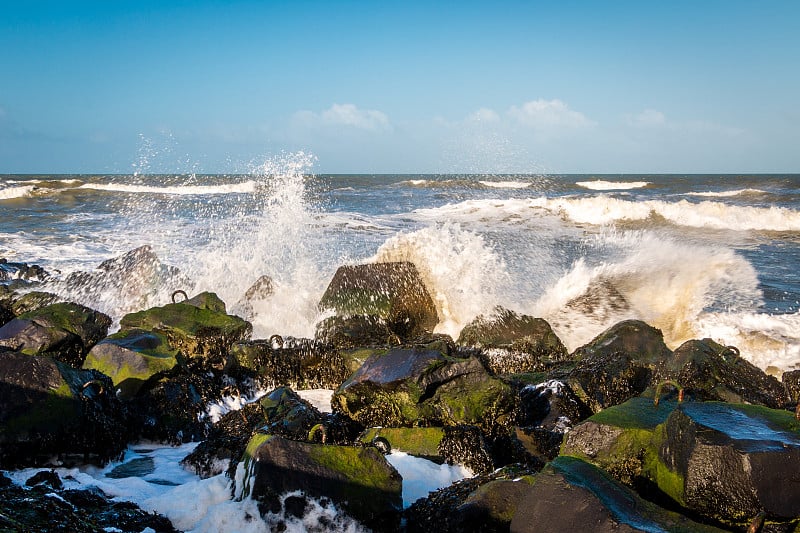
<point>602,185</point>
<point>231,188</point>
<point>727,194</point>
<point>16,192</point>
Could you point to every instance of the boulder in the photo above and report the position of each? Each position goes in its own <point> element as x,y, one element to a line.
<point>261,290</point>
<point>619,364</point>
<point>355,331</point>
<point>48,408</point>
<point>708,371</point>
<point>359,479</point>
<point>513,343</point>
<point>131,358</point>
<point>572,495</point>
<point>65,331</point>
<point>485,503</point>
<point>791,380</point>
<point>420,442</point>
<point>726,462</point>
<point>31,301</point>
<point>299,364</point>
<point>401,386</point>
<point>198,328</point>
<point>547,411</point>
<point>392,292</point>
<point>22,271</point>
<point>137,278</point>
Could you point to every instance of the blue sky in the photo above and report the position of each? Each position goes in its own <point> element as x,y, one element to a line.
<point>568,86</point>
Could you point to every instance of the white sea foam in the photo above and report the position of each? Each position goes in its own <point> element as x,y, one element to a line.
<point>602,210</point>
<point>505,184</point>
<point>16,192</point>
<point>182,190</point>
<point>727,194</point>
<point>602,185</point>
<point>460,270</point>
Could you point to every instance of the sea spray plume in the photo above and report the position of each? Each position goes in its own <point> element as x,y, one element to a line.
<point>461,271</point>
<point>660,281</point>
<point>271,234</point>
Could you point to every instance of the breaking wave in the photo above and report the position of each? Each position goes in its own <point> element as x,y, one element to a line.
<point>602,185</point>
<point>231,188</point>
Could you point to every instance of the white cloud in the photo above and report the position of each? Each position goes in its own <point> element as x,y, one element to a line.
<point>484,114</point>
<point>548,114</point>
<point>345,115</point>
<point>648,118</point>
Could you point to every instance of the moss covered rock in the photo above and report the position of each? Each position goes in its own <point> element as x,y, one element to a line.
<point>48,408</point>
<point>131,358</point>
<point>200,329</point>
<point>65,331</point>
<point>422,442</point>
<point>359,479</point>
<point>513,343</point>
<point>391,292</point>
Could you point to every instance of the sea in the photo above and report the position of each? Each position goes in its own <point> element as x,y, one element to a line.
<point>698,256</point>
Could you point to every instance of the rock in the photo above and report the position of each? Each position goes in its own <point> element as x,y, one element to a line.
<point>137,278</point>
<point>709,371</point>
<point>299,364</point>
<point>402,387</point>
<point>48,408</point>
<point>288,415</point>
<point>131,358</point>
<point>45,477</point>
<point>45,507</point>
<point>619,364</point>
<point>480,503</point>
<point>466,445</point>
<point>421,442</point>
<point>726,462</point>
<point>198,328</point>
<point>6,301</point>
<point>547,411</point>
<point>572,495</point>
<point>392,292</point>
<point>358,479</point>
<point>31,301</point>
<point>13,271</point>
<point>226,442</point>
<point>261,290</point>
<point>791,380</point>
<point>355,331</point>
<point>65,331</point>
<point>513,343</point>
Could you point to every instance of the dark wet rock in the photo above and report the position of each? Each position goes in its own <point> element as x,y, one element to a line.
<point>513,343</point>
<point>481,503</point>
<point>734,460</point>
<point>709,371</point>
<point>572,495</point>
<point>64,331</point>
<point>421,386</point>
<point>355,331</point>
<point>392,292</point>
<point>421,442</point>
<point>226,441</point>
<point>619,364</point>
<point>467,446</point>
<point>131,358</point>
<point>137,278</point>
<point>45,477</point>
<point>48,408</point>
<point>262,289</point>
<point>359,479</point>
<point>299,364</point>
<point>46,507</point>
<point>726,462</point>
<point>6,301</point>
<point>21,271</point>
<point>547,411</point>
<point>198,328</point>
<point>288,415</point>
<point>791,380</point>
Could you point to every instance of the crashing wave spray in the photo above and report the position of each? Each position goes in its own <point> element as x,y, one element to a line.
<point>462,273</point>
<point>665,283</point>
<point>269,236</point>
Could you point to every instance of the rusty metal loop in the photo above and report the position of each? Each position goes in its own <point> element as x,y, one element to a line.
<point>174,294</point>
<point>100,388</point>
<point>675,384</point>
<point>730,350</point>
<point>276,339</point>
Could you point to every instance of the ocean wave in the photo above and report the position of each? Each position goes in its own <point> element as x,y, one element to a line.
<point>465,184</point>
<point>505,184</point>
<point>230,188</point>
<point>602,185</point>
<point>602,210</point>
<point>727,194</point>
<point>16,192</point>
